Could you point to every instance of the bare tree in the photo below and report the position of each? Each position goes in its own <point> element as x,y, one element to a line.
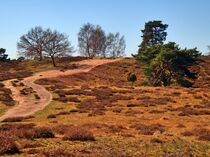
<point>56,44</point>
<point>109,43</point>
<point>208,53</point>
<point>115,45</point>
<point>84,39</point>
<point>94,42</point>
<point>97,42</point>
<point>31,44</point>
<point>91,40</point>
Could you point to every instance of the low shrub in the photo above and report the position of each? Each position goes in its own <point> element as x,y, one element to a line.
<point>156,140</point>
<point>51,116</point>
<point>43,132</point>
<point>117,110</point>
<point>79,134</point>
<point>73,111</point>
<point>149,129</point>
<point>131,112</point>
<point>131,78</point>
<point>62,129</point>
<point>46,81</point>
<point>133,105</point>
<point>63,113</point>
<point>156,112</point>
<point>13,119</point>
<point>28,131</point>
<point>102,93</point>
<point>181,126</point>
<point>7,144</point>
<point>187,133</point>
<point>30,144</point>
<point>203,134</point>
<point>116,128</point>
<point>205,137</point>
<point>97,112</point>
<point>85,87</point>
<point>37,97</point>
<point>190,111</point>
<point>5,97</point>
<point>73,99</point>
<point>58,152</point>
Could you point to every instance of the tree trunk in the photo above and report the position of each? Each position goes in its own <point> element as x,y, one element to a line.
<point>40,56</point>
<point>113,55</point>
<point>53,61</point>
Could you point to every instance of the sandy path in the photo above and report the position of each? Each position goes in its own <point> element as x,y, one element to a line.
<point>27,105</point>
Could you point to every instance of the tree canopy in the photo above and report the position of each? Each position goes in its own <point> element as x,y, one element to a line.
<point>168,64</point>
<point>3,55</point>
<point>165,64</point>
<point>154,33</point>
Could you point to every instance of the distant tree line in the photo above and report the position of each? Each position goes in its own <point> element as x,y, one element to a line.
<point>38,43</point>
<point>165,64</point>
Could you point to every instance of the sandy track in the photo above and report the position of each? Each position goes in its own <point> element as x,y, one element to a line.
<point>28,105</point>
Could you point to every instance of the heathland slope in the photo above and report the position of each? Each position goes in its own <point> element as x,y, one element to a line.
<point>99,113</point>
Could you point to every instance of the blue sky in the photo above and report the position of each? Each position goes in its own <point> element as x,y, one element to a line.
<point>189,20</point>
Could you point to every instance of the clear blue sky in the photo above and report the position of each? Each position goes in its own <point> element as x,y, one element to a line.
<point>189,20</point>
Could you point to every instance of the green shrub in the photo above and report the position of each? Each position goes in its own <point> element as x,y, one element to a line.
<point>131,78</point>
<point>168,64</point>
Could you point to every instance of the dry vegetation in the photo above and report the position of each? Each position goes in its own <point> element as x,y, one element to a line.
<point>100,114</point>
<point>5,96</point>
<point>204,73</point>
<point>21,69</point>
<point>113,74</point>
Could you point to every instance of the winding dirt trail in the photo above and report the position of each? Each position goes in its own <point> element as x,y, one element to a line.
<point>28,105</point>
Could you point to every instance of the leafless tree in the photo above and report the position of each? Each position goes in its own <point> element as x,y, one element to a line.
<point>98,41</point>
<point>31,44</point>
<point>56,44</point>
<point>84,39</point>
<point>39,42</point>
<point>94,42</point>
<point>91,40</point>
<point>208,53</point>
<point>115,45</point>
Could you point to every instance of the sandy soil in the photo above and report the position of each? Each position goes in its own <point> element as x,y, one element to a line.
<point>28,105</point>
